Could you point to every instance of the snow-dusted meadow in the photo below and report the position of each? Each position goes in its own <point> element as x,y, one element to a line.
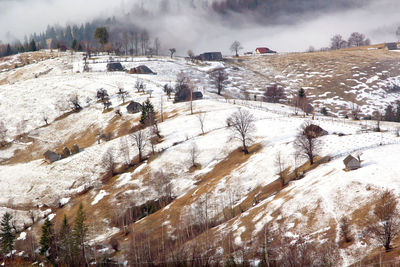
<point>43,89</point>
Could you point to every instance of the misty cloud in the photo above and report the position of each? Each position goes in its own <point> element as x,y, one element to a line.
<point>20,17</point>
<point>190,24</point>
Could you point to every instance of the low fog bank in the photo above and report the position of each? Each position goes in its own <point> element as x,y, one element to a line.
<point>192,25</point>
<point>24,17</point>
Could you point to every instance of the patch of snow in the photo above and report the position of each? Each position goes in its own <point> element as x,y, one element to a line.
<point>99,197</point>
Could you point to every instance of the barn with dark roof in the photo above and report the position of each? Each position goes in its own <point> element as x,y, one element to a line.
<point>211,56</point>
<point>264,50</point>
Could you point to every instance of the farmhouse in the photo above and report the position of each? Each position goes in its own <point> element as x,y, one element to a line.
<point>210,56</point>
<point>197,95</point>
<point>315,131</point>
<point>51,156</point>
<point>351,163</point>
<point>142,69</point>
<point>114,66</point>
<point>264,50</point>
<point>393,46</point>
<point>134,107</point>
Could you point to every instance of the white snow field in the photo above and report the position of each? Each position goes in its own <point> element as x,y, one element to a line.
<point>30,183</point>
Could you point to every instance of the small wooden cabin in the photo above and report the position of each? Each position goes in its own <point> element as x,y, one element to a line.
<point>134,107</point>
<point>351,163</point>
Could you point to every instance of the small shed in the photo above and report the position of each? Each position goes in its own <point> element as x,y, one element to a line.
<point>51,156</point>
<point>114,66</point>
<point>142,69</point>
<point>197,95</point>
<point>264,50</point>
<point>351,163</point>
<point>134,107</point>
<point>211,56</point>
<point>315,131</point>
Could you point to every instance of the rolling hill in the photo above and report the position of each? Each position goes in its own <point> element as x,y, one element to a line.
<point>165,208</point>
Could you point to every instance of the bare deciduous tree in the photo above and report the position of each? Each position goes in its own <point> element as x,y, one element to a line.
<point>280,163</point>
<point>140,86</point>
<point>201,117</point>
<point>74,102</point>
<point>124,149</point>
<point>265,238</point>
<point>162,184</point>
<point>3,134</point>
<point>242,125</point>
<point>355,111</point>
<point>140,139</point>
<point>306,143</point>
<point>274,94</point>
<point>384,226</point>
<point>122,94</point>
<point>134,40</point>
<point>345,230</point>
<point>337,42</point>
<point>219,78</point>
<point>46,119</point>
<point>102,94</point>
<point>106,104</point>
<point>297,252</point>
<point>235,47</point>
<point>191,55</point>
<point>168,90</point>
<point>194,153</point>
<point>144,41</point>
<point>162,108</point>
<point>108,163</point>
<point>125,41</point>
<point>172,51</point>
<point>358,39</point>
<point>377,115</point>
<point>157,46</point>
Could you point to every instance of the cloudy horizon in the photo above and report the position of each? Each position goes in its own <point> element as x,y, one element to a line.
<point>198,30</point>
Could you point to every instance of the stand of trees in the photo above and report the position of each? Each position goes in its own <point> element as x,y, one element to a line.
<point>65,246</point>
<point>355,39</point>
<point>112,36</point>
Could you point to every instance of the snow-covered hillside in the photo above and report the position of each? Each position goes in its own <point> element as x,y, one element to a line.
<point>224,179</point>
<point>334,79</point>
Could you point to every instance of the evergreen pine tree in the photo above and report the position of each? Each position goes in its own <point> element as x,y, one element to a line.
<point>79,233</point>
<point>32,45</point>
<point>147,112</point>
<point>65,242</point>
<point>302,93</point>
<point>397,119</point>
<point>47,241</point>
<point>390,113</point>
<point>6,234</point>
<point>74,45</point>
<point>9,50</point>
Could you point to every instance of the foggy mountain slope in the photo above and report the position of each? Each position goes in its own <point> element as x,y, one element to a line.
<point>271,11</point>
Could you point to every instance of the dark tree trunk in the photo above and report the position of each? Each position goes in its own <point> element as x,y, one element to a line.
<point>245,150</point>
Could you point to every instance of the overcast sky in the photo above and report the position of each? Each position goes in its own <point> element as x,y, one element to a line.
<point>196,30</point>
<point>20,17</point>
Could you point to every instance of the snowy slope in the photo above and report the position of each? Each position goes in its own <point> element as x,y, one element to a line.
<point>28,183</point>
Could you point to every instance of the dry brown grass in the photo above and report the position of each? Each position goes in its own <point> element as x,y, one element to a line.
<point>206,183</point>
<point>338,64</point>
<point>24,59</point>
